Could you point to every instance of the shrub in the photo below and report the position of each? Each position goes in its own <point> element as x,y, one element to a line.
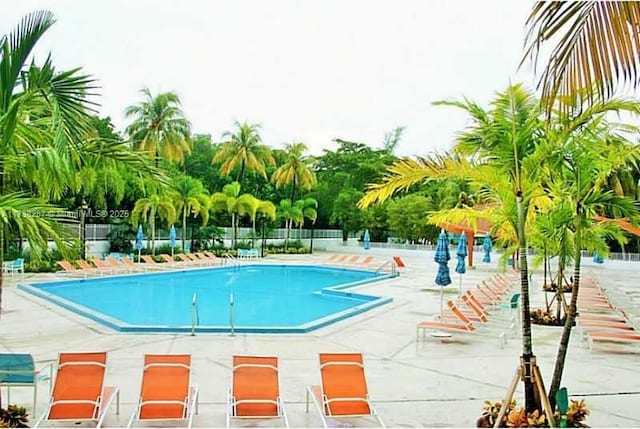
<point>517,417</point>
<point>14,417</point>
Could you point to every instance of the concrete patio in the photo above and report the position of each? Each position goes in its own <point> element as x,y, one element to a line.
<point>425,383</point>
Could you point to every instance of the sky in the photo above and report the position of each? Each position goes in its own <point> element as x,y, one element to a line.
<point>307,71</point>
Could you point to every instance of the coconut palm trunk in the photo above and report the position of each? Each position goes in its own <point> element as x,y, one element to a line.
<point>183,233</point>
<point>234,230</point>
<point>153,234</point>
<point>527,347</point>
<point>571,314</point>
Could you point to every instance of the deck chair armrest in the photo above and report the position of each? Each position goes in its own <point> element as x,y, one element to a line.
<point>192,405</point>
<point>109,394</point>
<point>193,398</point>
<point>314,392</point>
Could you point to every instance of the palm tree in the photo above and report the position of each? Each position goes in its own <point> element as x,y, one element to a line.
<point>308,209</point>
<point>295,172</point>
<point>587,150</point>
<point>243,149</point>
<point>190,198</point>
<point>230,201</point>
<point>43,119</point>
<point>597,46</point>
<point>494,152</point>
<point>156,205</point>
<point>290,214</point>
<point>159,126</point>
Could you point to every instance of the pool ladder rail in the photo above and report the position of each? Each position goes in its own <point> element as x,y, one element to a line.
<point>390,263</point>
<point>195,317</point>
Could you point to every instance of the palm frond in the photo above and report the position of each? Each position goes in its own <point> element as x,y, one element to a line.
<point>598,46</point>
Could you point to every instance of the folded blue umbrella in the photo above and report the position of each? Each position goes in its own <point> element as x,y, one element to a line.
<point>486,246</point>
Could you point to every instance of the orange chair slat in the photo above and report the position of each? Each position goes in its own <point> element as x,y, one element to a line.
<point>342,380</point>
<point>78,382</point>
<point>165,383</point>
<point>255,383</point>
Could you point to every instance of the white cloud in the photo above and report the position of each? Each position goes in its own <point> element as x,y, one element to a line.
<point>307,71</point>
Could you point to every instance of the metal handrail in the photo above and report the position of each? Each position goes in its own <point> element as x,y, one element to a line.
<point>231,321</point>
<point>394,271</point>
<point>195,318</point>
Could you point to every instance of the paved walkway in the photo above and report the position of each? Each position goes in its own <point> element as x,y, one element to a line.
<point>414,383</point>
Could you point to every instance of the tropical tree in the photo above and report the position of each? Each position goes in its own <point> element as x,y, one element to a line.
<point>230,201</point>
<point>259,207</point>
<point>408,218</point>
<point>494,152</point>
<point>308,210</point>
<point>290,214</point>
<point>595,46</point>
<point>190,197</point>
<point>392,138</point>
<point>157,205</point>
<point>46,135</point>
<point>296,172</point>
<point>587,150</point>
<point>346,212</point>
<point>159,126</point>
<point>243,149</point>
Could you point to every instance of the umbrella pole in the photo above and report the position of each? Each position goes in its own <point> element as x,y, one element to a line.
<point>460,287</point>
<point>139,255</point>
<point>441,302</point>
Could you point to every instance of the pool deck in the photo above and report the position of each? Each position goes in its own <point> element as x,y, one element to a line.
<point>414,383</point>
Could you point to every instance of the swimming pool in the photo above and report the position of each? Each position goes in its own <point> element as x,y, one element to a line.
<point>252,298</point>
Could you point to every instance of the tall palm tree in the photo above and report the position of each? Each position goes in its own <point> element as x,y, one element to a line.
<point>583,158</point>
<point>230,201</point>
<point>190,198</point>
<point>243,149</point>
<point>296,171</point>
<point>156,205</point>
<point>596,45</point>
<point>291,214</point>
<point>159,126</point>
<point>494,151</point>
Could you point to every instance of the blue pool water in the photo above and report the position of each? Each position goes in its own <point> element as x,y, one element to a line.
<point>266,298</point>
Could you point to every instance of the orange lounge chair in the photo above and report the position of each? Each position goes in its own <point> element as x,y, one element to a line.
<point>477,314</point>
<point>613,337</point>
<point>166,393</point>
<point>86,266</point>
<point>339,259</point>
<point>117,265</point>
<point>148,259</point>
<point>79,393</point>
<point>332,258</point>
<point>352,260</point>
<point>464,327</point>
<point>73,271</point>
<point>366,262</point>
<point>207,259</point>
<point>255,390</point>
<point>186,259</point>
<point>399,262</point>
<point>67,266</point>
<point>102,265</point>
<point>343,392</point>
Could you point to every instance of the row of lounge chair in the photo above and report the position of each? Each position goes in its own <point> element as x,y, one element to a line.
<point>112,265</point>
<point>475,310</point>
<point>356,261</point>
<point>599,320</point>
<point>168,395</point>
